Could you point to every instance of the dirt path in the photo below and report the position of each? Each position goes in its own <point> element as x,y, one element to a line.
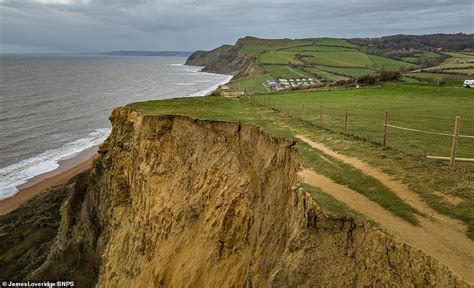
<point>399,188</point>
<point>438,235</point>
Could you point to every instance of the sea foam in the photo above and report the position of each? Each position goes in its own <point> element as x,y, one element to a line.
<point>18,173</point>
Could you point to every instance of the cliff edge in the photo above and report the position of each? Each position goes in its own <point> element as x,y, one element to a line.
<point>226,59</point>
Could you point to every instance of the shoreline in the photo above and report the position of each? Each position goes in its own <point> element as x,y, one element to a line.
<point>71,167</point>
<point>67,169</point>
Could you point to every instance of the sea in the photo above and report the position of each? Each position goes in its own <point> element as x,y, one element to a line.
<point>54,107</point>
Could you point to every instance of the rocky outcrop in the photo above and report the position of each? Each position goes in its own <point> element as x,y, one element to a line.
<point>223,60</point>
<point>179,202</point>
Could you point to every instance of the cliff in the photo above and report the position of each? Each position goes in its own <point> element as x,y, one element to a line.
<point>223,60</point>
<point>174,201</point>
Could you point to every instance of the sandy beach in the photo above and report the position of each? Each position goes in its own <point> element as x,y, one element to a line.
<point>36,185</point>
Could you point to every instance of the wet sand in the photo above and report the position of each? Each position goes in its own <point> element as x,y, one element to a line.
<point>36,185</point>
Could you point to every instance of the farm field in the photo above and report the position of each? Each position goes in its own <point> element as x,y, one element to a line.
<point>279,71</point>
<point>438,76</point>
<point>352,72</point>
<point>420,107</point>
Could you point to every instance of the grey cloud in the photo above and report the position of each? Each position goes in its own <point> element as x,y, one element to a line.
<point>97,25</point>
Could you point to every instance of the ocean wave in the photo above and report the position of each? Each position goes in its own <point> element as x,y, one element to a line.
<point>185,83</point>
<point>17,174</point>
<point>207,91</point>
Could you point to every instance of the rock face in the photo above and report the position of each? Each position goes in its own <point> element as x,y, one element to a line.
<point>177,202</point>
<point>222,60</point>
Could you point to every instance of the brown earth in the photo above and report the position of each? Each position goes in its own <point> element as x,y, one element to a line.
<point>439,235</point>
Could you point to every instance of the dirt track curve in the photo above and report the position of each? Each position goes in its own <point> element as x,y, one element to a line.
<point>438,235</point>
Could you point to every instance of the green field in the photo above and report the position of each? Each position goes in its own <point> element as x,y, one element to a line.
<point>417,106</point>
<point>421,56</point>
<point>455,60</point>
<point>283,71</point>
<point>438,76</point>
<point>278,58</point>
<point>382,63</point>
<point>334,42</point>
<point>253,84</point>
<point>319,48</point>
<point>351,72</point>
<point>318,70</point>
<point>346,59</point>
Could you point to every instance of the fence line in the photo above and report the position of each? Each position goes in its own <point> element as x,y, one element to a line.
<point>427,132</point>
<point>293,112</point>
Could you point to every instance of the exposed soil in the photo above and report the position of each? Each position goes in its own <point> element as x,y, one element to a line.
<point>439,235</point>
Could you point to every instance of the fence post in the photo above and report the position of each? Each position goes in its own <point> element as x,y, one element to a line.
<point>345,122</point>
<point>302,111</point>
<point>385,127</point>
<point>454,146</point>
<point>321,116</point>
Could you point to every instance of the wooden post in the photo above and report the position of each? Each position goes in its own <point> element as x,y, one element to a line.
<point>385,127</point>
<point>321,116</point>
<point>345,122</point>
<point>302,111</point>
<point>454,146</point>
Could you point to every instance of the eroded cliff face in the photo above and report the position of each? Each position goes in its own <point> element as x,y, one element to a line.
<point>177,202</point>
<point>222,60</point>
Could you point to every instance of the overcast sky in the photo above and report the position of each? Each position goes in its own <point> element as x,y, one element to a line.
<point>103,25</point>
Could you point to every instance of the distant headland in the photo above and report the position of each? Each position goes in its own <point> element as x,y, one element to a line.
<point>145,53</point>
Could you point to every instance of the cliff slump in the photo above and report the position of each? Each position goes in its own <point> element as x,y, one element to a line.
<point>223,60</point>
<point>179,202</point>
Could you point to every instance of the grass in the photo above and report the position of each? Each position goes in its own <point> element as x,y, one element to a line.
<point>334,42</point>
<point>318,70</point>
<point>386,64</point>
<point>438,76</point>
<point>318,48</point>
<point>455,60</point>
<point>467,71</point>
<point>356,180</point>
<point>278,58</point>
<point>253,84</point>
<point>283,71</point>
<point>420,56</point>
<point>421,107</point>
<point>351,72</point>
<point>423,176</point>
<point>346,59</point>
<point>330,203</point>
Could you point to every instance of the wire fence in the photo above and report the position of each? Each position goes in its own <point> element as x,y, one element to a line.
<point>375,125</point>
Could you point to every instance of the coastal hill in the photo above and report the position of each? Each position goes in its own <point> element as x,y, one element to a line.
<point>338,62</point>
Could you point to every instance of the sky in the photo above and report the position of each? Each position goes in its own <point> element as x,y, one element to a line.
<point>70,26</point>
